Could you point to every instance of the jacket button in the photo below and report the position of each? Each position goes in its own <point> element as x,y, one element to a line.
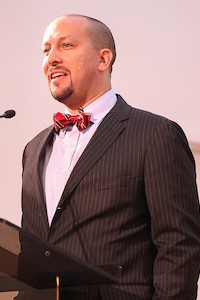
<point>47,253</point>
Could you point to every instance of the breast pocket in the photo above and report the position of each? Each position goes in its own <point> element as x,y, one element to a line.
<point>115,183</point>
<point>117,193</point>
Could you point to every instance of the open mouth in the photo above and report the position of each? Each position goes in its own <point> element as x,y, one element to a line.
<point>56,75</point>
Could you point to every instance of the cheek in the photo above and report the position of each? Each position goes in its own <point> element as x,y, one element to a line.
<point>77,69</point>
<point>44,67</point>
<point>85,67</point>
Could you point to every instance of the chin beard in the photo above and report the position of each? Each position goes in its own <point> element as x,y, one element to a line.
<point>61,96</point>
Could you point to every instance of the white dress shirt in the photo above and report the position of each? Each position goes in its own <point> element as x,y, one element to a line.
<point>67,149</point>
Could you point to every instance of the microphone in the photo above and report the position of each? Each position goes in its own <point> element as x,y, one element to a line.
<point>8,114</point>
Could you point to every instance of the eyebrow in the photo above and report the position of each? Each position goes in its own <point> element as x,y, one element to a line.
<point>60,39</point>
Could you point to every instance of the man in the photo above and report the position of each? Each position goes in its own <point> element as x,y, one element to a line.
<point>118,190</point>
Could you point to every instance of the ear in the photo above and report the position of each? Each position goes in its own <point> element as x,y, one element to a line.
<point>105,58</point>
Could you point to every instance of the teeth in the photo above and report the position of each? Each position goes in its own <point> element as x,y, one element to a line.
<point>57,75</point>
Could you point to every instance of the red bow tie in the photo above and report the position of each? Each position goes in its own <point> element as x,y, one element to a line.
<point>81,120</point>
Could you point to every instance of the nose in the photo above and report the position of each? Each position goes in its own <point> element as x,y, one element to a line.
<point>54,57</point>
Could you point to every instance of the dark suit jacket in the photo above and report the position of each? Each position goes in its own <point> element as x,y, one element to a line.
<point>131,200</point>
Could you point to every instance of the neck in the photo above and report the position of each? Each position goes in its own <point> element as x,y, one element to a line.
<point>74,108</point>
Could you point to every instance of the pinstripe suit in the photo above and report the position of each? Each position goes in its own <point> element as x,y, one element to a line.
<point>130,200</point>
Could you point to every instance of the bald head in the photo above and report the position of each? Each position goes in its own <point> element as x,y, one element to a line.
<point>100,35</point>
<point>78,56</point>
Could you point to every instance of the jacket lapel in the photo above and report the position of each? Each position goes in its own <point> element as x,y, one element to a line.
<point>39,156</point>
<point>108,131</point>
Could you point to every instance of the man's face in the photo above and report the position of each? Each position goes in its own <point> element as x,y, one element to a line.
<point>70,61</point>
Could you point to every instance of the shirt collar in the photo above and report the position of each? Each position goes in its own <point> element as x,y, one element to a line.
<point>99,108</point>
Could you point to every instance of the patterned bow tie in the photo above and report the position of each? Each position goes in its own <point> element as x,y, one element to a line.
<point>81,120</point>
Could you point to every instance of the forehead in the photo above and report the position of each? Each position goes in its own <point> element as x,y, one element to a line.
<point>66,26</point>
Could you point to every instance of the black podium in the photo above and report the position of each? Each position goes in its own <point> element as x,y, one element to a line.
<point>29,264</point>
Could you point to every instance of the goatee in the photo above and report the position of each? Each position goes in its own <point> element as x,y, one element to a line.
<point>62,95</point>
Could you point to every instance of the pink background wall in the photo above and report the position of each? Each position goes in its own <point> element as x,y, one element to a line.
<point>157,69</point>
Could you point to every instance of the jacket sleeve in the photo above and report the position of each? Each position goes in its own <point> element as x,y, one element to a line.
<point>171,191</point>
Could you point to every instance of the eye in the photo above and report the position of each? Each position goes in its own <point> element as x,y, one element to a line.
<point>66,45</point>
<point>46,50</point>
